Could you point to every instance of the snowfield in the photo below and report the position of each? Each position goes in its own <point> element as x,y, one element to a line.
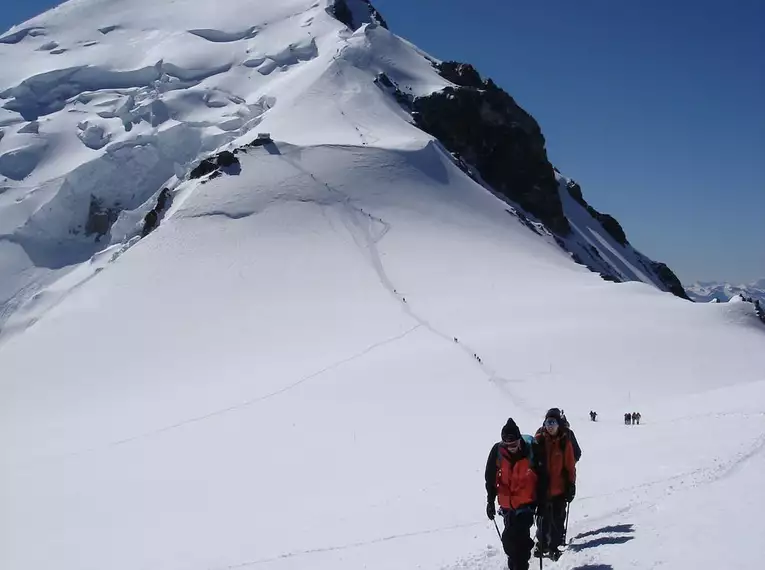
<point>306,363</point>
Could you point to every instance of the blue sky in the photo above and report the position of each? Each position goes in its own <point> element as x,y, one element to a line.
<point>654,106</point>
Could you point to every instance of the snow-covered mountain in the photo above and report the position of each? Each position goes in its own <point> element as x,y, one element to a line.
<point>709,291</point>
<point>109,102</point>
<point>227,351</point>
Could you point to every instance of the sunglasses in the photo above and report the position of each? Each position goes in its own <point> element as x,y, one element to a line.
<point>512,445</point>
<point>551,422</point>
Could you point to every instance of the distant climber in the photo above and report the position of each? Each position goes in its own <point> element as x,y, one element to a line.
<point>634,418</point>
<point>151,220</point>
<point>162,200</point>
<point>512,479</point>
<point>637,418</point>
<point>593,416</point>
<point>627,419</point>
<point>149,223</point>
<point>557,472</point>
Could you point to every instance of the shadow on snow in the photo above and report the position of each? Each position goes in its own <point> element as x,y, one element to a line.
<point>623,528</point>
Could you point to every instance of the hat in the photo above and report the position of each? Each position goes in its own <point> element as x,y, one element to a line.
<point>510,431</point>
<point>553,413</point>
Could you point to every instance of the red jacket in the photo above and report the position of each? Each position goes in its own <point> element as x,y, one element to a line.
<point>559,461</point>
<point>510,478</point>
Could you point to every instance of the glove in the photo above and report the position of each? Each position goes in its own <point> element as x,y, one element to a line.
<point>491,511</point>
<point>570,492</point>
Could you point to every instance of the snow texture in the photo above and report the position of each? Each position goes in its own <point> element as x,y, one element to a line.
<point>305,364</point>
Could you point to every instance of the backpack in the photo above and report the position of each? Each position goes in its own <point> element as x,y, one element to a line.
<point>575,444</point>
<point>529,439</point>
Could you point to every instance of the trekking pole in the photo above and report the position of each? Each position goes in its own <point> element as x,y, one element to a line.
<point>499,534</point>
<point>565,525</point>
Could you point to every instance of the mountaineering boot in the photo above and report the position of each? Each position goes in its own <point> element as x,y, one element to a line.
<point>555,554</point>
<point>539,550</point>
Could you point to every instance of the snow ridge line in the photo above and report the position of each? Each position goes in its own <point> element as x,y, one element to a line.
<point>358,544</point>
<point>229,409</point>
<point>370,246</point>
<point>336,60</point>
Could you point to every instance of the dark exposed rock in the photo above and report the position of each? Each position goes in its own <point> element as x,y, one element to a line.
<point>612,226</point>
<point>609,223</point>
<point>342,12</point>
<point>487,132</point>
<point>162,199</point>
<point>609,277</point>
<point>204,168</point>
<point>387,84</point>
<point>465,167</point>
<point>149,223</point>
<point>576,193</point>
<point>384,80</point>
<point>462,74</point>
<point>376,16</point>
<point>488,129</point>
<point>669,279</point>
<point>226,159</point>
<point>524,220</point>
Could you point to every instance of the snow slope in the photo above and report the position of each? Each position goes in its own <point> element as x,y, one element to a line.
<point>706,291</point>
<point>306,363</point>
<point>140,90</point>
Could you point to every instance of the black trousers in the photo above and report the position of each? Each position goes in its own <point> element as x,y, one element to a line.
<point>516,538</point>
<point>551,522</point>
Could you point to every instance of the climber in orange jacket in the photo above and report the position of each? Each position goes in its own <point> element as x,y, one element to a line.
<point>511,479</point>
<point>557,470</point>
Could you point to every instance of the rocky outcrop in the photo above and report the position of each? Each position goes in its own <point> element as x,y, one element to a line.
<point>462,74</point>
<point>669,279</point>
<point>212,166</point>
<point>389,86</point>
<point>496,142</point>
<point>204,168</point>
<point>609,223</point>
<point>354,13</point>
<point>484,126</point>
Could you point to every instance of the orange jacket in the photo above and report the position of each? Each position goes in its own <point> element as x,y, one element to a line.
<point>559,461</point>
<point>511,478</point>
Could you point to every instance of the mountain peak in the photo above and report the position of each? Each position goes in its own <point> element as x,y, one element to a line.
<point>355,13</point>
<point>245,244</point>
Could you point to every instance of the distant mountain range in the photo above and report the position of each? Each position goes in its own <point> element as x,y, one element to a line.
<point>706,291</point>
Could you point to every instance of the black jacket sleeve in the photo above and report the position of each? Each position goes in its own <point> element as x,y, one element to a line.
<point>491,474</point>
